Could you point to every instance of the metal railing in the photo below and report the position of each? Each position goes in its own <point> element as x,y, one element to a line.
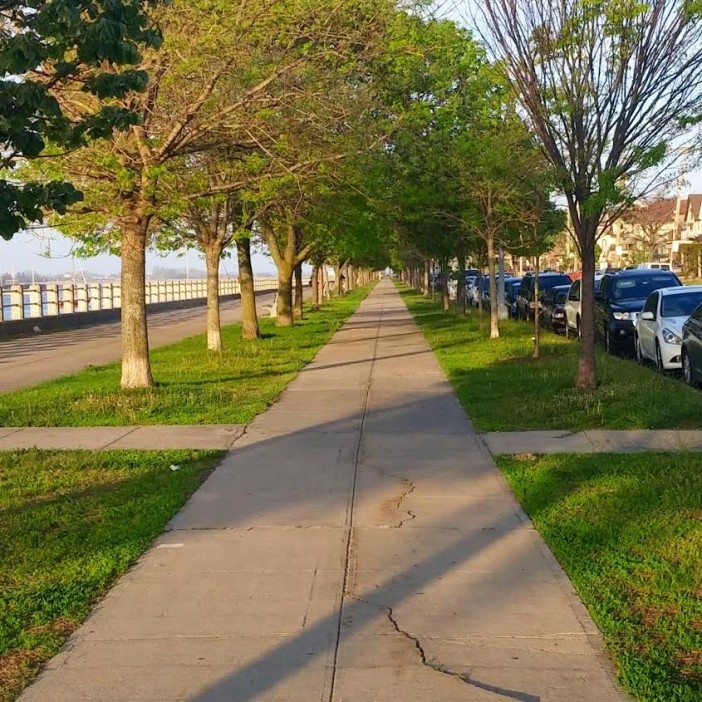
<point>51,299</point>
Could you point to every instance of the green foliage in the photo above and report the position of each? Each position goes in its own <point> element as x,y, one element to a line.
<point>46,49</point>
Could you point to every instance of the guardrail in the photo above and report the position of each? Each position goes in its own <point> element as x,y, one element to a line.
<point>41,300</point>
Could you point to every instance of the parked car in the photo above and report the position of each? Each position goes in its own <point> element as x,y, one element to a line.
<point>574,305</point>
<point>660,324</point>
<point>511,292</point>
<point>553,308</point>
<point>525,298</point>
<point>485,289</point>
<point>691,348</point>
<point>652,265</point>
<point>619,302</point>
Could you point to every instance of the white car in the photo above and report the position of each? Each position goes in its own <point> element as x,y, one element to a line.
<point>659,326</point>
<point>573,306</point>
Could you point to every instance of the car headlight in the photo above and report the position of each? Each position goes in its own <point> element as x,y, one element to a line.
<point>558,315</point>
<point>621,316</point>
<point>670,337</point>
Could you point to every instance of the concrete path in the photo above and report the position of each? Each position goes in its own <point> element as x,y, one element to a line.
<point>30,360</point>
<point>357,544</point>
<point>199,436</point>
<point>593,441</point>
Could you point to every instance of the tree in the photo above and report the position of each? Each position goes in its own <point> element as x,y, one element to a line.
<point>51,49</point>
<point>247,81</point>
<point>608,87</point>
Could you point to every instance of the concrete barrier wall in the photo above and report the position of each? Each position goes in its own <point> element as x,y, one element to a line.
<point>54,306</point>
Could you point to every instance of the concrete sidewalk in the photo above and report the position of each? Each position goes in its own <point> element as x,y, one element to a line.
<point>593,441</point>
<point>197,436</point>
<point>357,544</point>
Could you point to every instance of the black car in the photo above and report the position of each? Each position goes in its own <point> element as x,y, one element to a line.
<point>525,298</point>
<point>485,289</point>
<point>511,292</point>
<point>620,300</point>
<point>692,348</point>
<point>553,308</point>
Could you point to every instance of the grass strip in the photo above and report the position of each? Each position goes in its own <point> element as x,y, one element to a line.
<point>627,529</point>
<point>71,523</point>
<point>193,385</point>
<point>503,389</point>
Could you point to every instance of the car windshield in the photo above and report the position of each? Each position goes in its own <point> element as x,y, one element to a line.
<point>639,287</point>
<point>553,281</point>
<point>681,305</point>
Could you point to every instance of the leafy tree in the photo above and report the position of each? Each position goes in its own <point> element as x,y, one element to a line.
<point>608,87</point>
<point>51,50</point>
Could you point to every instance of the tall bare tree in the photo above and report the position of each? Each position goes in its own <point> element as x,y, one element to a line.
<point>608,87</point>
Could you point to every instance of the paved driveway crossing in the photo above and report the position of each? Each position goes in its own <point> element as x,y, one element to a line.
<point>356,544</point>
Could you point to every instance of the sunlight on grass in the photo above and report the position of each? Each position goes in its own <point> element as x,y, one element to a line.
<point>194,386</point>
<point>628,531</point>
<point>72,521</point>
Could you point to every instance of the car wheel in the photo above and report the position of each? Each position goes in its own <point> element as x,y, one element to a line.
<point>688,376</point>
<point>659,359</point>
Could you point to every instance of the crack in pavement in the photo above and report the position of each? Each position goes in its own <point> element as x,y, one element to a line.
<point>463,677</point>
<point>411,487</point>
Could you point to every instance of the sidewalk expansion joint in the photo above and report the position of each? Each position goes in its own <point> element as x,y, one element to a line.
<point>463,677</point>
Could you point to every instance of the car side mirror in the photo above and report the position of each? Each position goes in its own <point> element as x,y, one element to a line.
<point>648,316</point>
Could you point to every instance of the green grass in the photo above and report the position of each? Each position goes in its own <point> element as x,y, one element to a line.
<point>628,531</point>
<point>72,521</point>
<point>193,386</point>
<point>502,388</point>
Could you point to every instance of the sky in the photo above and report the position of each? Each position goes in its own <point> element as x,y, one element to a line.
<point>48,252</point>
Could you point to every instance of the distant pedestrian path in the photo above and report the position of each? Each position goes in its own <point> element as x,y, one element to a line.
<point>30,360</point>
<point>357,543</point>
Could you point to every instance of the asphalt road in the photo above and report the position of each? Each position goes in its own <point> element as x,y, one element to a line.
<point>29,360</point>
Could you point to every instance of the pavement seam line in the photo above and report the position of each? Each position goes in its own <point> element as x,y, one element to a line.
<point>352,500</point>
<point>119,438</point>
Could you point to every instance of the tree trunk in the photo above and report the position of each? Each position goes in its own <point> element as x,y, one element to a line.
<point>337,279</point>
<point>494,311</point>
<point>299,304</point>
<point>325,282</point>
<point>314,281</point>
<point>425,281</point>
<point>136,368</point>
<point>537,310</point>
<point>213,254</point>
<point>350,278</point>
<point>586,378</point>
<point>461,284</point>
<point>284,307</point>
<point>445,302</point>
<point>249,316</point>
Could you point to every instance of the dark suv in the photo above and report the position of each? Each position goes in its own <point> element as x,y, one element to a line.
<point>525,298</point>
<point>620,300</point>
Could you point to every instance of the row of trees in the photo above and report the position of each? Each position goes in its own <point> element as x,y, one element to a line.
<point>360,133</point>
